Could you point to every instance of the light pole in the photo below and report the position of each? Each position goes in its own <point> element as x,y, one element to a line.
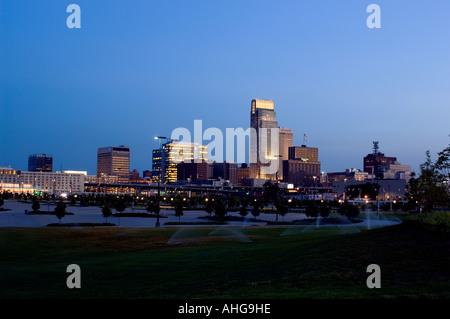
<point>160,138</point>
<point>314,177</point>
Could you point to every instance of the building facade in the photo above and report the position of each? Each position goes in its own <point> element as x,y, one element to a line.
<point>166,159</point>
<point>47,182</point>
<point>193,171</point>
<point>286,137</point>
<point>264,124</point>
<point>114,161</point>
<point>242,173</point>
<point>351,174</point>
<point>303,166</point>
<point>40,163</point>
<point>384,167</point>
<point>310,154</point>
<point>226,171</point>
<point>301,173</point>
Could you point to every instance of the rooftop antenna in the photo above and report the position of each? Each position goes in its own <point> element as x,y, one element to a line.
<point>375,148</point>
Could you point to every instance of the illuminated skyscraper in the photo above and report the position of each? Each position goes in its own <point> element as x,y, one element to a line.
<point>303,166</point>
<point>114,161</point>
<point>263,121</point>
<point>172,154</point>
<point>310,154</point>
<point>286,141</point>
<point>40,163</point>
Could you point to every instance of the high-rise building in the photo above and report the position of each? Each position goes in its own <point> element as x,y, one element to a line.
<point>193,171</point>
<point>376,162</point>
<point>263,121</point>
<point>226,171</point>
<point>301,173</point>
<point>303,166</point>
<point>286,137</point>
<point>114,161</point>
<point>165,160</point>
<point>40,163</point>
<point>304,153</point>
<point>242,173</point>
<point>147,175</point>
<point>134,176</point>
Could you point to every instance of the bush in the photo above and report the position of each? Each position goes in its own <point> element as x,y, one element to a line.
<point>437,223</point>
<point>36,206</point>
<point>324,210</point>
<point>348,210</point>
<point>60,210</point>
<point>312,210</point>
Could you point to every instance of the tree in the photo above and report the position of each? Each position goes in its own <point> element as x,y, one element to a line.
<point>209,207</point>
<point>120,205</point>
<point>243,211</point>
<point>106,211</point>
<point>281,207</point>
<point>60,210</point>
<point>312,210</point>
<point>352,211</point>
<point>348,210</point>
<point>324,209</point>
<point>151,206</point>
<point>178,206</point>
<point>256,207</point>
<point>271,191</point>
<point>36,205</point>
<point>443,165</point>
<point>427,190</point>
<point>233,201</point>
<point>220,208</point>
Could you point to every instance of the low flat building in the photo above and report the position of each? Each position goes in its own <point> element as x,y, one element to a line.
<point>47,182</point>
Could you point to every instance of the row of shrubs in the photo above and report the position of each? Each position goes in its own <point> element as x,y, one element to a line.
<point>437,223</point>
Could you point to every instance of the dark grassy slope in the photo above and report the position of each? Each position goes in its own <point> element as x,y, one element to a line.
<point>206,263</point>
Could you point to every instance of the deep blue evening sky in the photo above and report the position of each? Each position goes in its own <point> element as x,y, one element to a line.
<point>137,69</point>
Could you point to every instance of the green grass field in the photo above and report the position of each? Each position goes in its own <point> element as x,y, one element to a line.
<point>223,262</point>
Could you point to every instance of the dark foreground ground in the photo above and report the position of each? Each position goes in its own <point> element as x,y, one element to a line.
<point>223,262</point>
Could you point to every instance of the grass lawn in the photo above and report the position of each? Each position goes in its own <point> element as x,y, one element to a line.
<point>223,262</point>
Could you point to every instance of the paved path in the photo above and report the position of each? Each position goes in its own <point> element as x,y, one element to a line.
<point>16,217</point>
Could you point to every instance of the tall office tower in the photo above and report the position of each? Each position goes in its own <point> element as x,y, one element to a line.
<point>193,171</point>
<point>304,153</point>
<point>303,166</point>
<point>286,141</point>
<point>242,173</point>
<point>40,163</point>
<point>114,161</point>
<point>263,121</point>
<point>165,161</point>
<point>226,171</point>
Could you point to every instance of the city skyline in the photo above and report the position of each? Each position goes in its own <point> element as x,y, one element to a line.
<point>136,71</point>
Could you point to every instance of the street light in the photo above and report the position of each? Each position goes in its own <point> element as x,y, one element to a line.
<point>314,177</point>
<point>160,138</point>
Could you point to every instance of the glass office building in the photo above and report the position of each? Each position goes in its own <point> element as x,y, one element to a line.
<point>40,163</point>
<point>263,121</point>
<point>165,160</point>
<point>114,161</point>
